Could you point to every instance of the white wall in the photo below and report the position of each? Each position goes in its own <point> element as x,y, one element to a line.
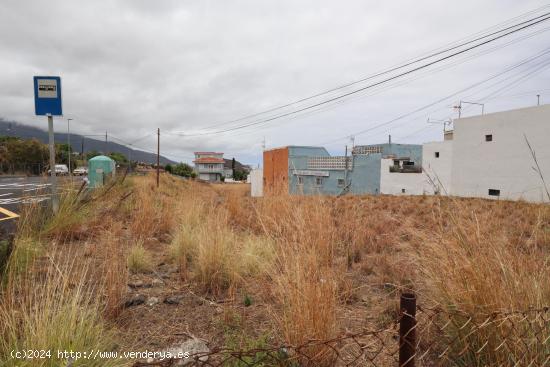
<point>438,169</point>
<point>393,183</point>
<point>505,163</point>
<point>256,182</point>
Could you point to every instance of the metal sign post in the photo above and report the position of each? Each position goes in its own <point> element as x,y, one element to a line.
<point>47,102</point>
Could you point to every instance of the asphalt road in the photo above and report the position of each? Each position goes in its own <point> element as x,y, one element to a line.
<point>16,192</point>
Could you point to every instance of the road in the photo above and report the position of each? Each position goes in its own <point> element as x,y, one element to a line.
<point>16,192</point>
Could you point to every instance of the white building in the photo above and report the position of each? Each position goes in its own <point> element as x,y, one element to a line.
<point>400,183</point>
<point>491,157</point>
<point>437,165</point>
<point>256,177</point>
<point>209,166</point>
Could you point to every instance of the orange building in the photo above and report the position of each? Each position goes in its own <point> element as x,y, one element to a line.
<point>275,171</point>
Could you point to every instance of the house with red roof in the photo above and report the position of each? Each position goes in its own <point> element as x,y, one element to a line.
<point>209,166</point>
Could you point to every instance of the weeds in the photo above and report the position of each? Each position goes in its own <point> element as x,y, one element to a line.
<point>139,259</point>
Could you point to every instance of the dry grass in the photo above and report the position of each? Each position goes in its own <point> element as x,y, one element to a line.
<point>306,259</point>
<point>59,314</point>
<point>139,259</point>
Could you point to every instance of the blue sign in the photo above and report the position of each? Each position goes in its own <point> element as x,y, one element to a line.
<point>47,95</point>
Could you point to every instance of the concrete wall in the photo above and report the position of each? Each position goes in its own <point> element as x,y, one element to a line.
<point>505,163</point>
<point>363,177</point>
<point>396,183</point>
<point>256,177</point>
<point>438,167</point>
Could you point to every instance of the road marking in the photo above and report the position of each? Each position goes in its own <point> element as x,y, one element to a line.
<point>8,194</point>
<point>10,214</point>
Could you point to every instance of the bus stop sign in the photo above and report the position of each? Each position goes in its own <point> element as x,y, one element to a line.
<point>47,95</point>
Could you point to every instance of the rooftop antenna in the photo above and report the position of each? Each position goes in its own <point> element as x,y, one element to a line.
<point>352,139</point>
<point>445,123</point>
<point>459,107</point>
<point>263,144</point>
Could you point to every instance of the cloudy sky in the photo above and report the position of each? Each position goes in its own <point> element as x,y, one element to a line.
<point>195,68</point>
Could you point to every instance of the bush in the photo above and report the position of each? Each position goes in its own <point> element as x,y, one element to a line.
<point>139,260</point>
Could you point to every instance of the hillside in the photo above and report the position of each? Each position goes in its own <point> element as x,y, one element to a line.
<point>11,128</point>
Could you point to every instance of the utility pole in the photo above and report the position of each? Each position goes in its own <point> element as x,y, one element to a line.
<point>346,168</point>
<point>538,99</point>
<point>53,177</point>
<point>105,142</point>
<point>69,146</point>
<point>158,157</point>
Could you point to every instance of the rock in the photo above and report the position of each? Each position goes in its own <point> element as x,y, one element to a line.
<point>189,348</point>
<point>157,283</point>
<point>135,283</point>
<point>152,301</point>
<point>174,300</point>
<point>135,300</point>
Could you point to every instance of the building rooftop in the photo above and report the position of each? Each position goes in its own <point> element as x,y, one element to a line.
<point>209,160</point>
<point>203,153</point>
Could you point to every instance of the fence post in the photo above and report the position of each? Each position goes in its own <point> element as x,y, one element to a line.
<point>407,330</point>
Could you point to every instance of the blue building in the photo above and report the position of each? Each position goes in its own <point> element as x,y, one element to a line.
<point>312,170</point>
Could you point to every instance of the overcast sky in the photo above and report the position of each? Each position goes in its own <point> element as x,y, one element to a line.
<point>130,67</point>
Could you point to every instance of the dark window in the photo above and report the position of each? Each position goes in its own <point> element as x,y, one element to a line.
<point>408,163</point>
<point>396,162</point>
<point>341,182</point>
<point>403,191</point>
<point>300,180</point>
<point>489,137</point>
<point>437,154</point>
<point>494,192</point>
<point>318,181</point>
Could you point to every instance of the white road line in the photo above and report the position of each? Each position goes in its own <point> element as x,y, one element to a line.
<point>8,194</point>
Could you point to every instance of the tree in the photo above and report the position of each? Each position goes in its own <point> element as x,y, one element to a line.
<point>119,158</point>
<point>183,169</point>
<point>28,156</point>
<point>168,168</point>
<point>91,154</point>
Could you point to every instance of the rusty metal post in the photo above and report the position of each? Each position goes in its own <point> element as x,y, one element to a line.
<point>158,156</point>
<point>407,330</point>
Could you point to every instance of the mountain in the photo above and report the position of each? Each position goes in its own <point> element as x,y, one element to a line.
<point>78,142</point>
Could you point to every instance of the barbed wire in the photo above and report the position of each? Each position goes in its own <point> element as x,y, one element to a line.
<point>443,338</point>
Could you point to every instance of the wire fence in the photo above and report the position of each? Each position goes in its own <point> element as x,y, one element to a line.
<point>422,336</point>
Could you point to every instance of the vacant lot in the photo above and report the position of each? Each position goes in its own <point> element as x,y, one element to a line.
<point>133,267</point>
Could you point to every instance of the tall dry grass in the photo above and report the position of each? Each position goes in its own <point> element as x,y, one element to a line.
<point>53,310</point>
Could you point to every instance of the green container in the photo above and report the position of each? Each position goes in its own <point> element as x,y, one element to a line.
<point>100,170</point>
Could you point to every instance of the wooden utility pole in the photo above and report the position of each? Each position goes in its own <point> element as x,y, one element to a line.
<point>158,156</point>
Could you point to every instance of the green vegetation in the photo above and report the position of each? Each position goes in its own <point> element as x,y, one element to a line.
<point>17,155</point>
<point>139,260</point>
<point>184,170</point>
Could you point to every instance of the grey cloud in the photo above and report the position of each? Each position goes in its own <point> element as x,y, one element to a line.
<point>131,66</point>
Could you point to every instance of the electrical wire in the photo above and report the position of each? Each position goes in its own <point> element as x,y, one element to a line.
<point>267,120</point>
<point>406,63</point>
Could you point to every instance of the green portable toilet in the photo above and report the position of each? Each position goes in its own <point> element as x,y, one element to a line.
<point>100,170</point>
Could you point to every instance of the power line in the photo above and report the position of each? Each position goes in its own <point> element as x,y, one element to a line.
<point>546,51</point>
<point>264,121</point>
<point>385,88</point>
<point>408,62</point>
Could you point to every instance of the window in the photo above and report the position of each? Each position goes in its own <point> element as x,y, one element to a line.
<point>300,180</point>
<point>408,163</point>
<point>341,182</point>
<point>437,154</point>
<point>318,181</point>
<point>494,192</point>
<point>489,137</point>
<point>402,191</point>
<point>396,162</point>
